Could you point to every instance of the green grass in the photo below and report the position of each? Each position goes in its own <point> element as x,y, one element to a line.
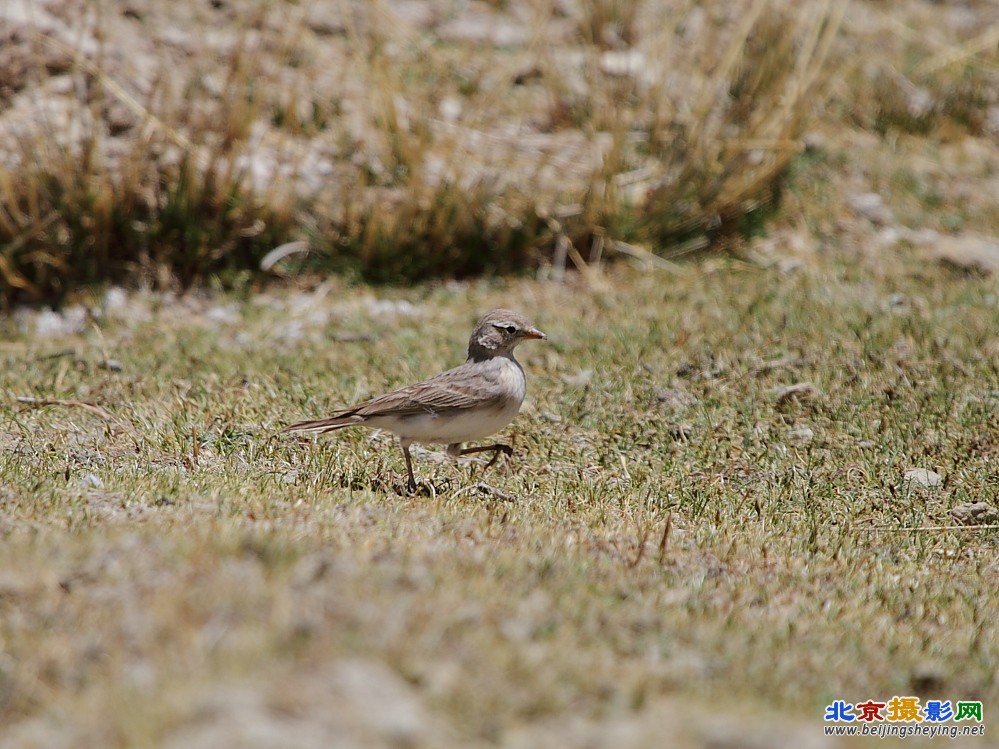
<point>684,541</point>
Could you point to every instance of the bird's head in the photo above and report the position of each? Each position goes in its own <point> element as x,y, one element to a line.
<point>498,333</point>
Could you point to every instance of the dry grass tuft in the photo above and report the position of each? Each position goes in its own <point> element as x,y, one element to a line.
<point>178,142</point>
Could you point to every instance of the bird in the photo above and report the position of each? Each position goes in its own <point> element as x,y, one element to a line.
<point>465,404</point>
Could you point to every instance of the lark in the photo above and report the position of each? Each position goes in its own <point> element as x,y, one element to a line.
<point>465,404</point>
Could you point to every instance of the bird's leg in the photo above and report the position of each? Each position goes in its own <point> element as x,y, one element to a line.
<point>409,466</point>
<point>498,448</point>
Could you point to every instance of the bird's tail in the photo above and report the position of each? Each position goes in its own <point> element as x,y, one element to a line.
<point>318,426</point>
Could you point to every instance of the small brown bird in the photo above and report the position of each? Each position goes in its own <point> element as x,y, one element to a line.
<point>464,404</point>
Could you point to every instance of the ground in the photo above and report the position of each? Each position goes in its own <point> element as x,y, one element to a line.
<point>705,516</point>
<point>743,487</point>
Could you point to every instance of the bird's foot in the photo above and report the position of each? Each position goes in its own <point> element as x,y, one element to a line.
<point>504,449</point>
<point>496,449</point>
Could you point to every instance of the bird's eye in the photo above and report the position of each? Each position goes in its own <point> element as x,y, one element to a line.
<point>511,329</point>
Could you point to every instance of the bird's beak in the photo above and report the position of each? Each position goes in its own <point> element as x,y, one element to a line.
<point>534,333</point>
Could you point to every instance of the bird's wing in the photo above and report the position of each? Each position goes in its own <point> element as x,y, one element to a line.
<point>454,390</point>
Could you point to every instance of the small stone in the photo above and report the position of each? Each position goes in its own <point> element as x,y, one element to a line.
<point>800,391</point>
<point>801,435</point>
<point>527,74</point>
<point>974,253</point>
<point>788,265</point>
<point>325,20</point>
<point>676,399</point>
<point>625,63</point>
<point>484,28</point>
<point>580,379</point>
<point>815,141</point>
<point>920,101</point>
<point>897,300</point>
<point>223,314</point>
<point>975,513</point>
<point>91,481</point>
<point>115,300</point>
<point>922,477</point>
<point>871,206</point>
<point>50,324</point>
<point>450,109</point>
<point>887,237</point>
<point>390,307</point>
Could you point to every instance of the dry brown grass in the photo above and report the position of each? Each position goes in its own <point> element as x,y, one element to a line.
<point>404,140</point>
